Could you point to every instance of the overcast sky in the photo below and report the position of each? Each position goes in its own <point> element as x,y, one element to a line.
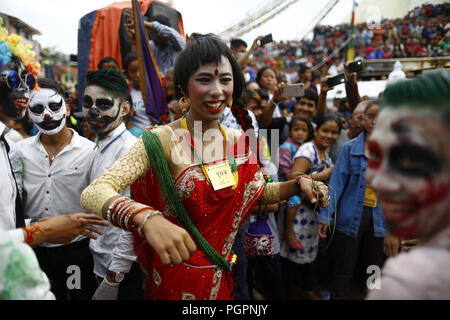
<point>57,20</point>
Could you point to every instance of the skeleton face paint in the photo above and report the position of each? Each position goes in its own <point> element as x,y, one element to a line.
<point>101,109</point>
<point>48,111</point>
<point>409,169</point>
<point>13,103</point>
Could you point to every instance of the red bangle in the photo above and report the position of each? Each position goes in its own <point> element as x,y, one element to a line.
<point>126,211</point>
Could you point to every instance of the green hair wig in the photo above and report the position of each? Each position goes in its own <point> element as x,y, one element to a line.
<point>112,80</point>
<point>431,90</point>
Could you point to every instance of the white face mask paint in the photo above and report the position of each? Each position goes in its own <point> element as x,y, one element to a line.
<point>48,111</point>
<point>102,111</point>
<point>408,167</point>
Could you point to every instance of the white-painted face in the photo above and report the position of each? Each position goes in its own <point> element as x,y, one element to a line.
<point>102,111</point>
<point>48,111</point>
<point>409,169</point>
<point>210,88</point>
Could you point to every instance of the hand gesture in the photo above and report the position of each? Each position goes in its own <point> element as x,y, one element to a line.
<point>65,228</point>
<point>255,45</point>
<point>278,92</point>
<point>350,76</point>
<point>324,88</point>
<point>129,25</point>
<point>173,244</point>
<point>314,191</point>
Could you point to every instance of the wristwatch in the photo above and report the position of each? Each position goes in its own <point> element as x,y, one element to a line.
<point>116,276</point>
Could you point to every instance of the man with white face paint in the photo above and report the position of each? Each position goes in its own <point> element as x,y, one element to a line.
<point>48,111</point>
<point>57,165</point>
<point>409,167</point>
<point>104,106</point>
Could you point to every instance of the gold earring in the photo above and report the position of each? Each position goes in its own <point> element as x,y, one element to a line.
<point>184,103</point>
<point>230,104</point>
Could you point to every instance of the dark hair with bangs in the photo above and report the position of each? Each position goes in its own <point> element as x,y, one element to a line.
<point>200,52</point>
<point>328,117</point>
<point>46,83</point>
<point>261,71</point>
<point>308,125</point>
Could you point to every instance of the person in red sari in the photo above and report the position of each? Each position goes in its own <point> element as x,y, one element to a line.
<point>193,183</point>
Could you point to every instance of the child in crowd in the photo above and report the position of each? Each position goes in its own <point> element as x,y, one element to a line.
<point>300,131</point>
<point>301,242</point>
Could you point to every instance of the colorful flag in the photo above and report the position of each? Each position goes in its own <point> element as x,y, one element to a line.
<point>351,47</point>
<point>150,81</point>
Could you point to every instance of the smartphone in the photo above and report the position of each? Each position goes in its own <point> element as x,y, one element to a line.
<point>336,80</point>
<point>355,66</point>
<point>293,90</point>
<point>265,40</point>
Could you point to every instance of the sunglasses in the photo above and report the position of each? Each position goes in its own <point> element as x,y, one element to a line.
<point>13,80</point>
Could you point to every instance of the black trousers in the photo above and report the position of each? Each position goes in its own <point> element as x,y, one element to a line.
<point>269,275</point>
<point>131,288</point>
<point>70,269</point>
<point>347,252</point>
<point>296,274</point>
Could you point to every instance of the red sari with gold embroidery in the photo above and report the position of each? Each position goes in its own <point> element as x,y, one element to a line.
<point>217,216</point>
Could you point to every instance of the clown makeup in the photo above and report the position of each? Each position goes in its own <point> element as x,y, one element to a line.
<point>13,102</point>
<point>409,170</point>
<point>48,111</point>
<point>101,109</point>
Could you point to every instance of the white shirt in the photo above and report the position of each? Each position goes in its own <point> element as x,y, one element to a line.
<point>114,250</point>
<point>55,190</point>
<point>140,119</point>
<point>14,136</point>
<point>8,188</point>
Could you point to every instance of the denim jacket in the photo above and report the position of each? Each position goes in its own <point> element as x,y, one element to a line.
<point>349,181</point>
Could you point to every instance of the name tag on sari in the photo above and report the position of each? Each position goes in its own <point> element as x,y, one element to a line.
<point>220,175</point>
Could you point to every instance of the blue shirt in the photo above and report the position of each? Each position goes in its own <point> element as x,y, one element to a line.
<point>165,57</point>
<point>349,183</point>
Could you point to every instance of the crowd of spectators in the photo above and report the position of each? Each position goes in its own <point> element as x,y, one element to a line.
<point>423,32</point>
<point>300,133</point>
